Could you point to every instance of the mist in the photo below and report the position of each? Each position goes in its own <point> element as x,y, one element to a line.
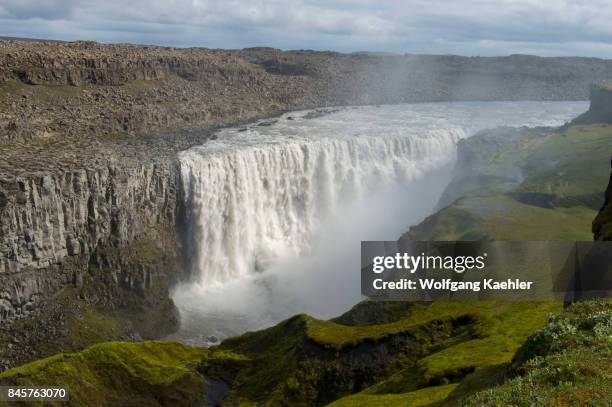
<point>325,282</point>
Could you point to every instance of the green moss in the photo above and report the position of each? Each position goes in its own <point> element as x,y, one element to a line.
<point>502,217</point>
<point>119,373</point>
<point>90,326</point>
<point>540,187</point>
<point>429,397</point>
<point>336,335</point>
<point>482,378</point>
<point>375,312</point>
<point>498,330</point>
<point>305,361</point>
<point>566,363</point>
<point>503,333</point>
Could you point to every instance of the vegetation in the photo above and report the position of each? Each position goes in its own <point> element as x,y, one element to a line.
<point>566,363</point>
<point>420,357</point>
<point>543,186</point>
<point>419,398</point>
<point>304,361</point>
<point>119,373</point>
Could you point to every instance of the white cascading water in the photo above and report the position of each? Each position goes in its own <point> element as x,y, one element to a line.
<point>274,207</point>
<point>258,202</point>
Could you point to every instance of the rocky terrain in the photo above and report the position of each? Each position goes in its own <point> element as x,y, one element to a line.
<point>90,205</point>
<point>85,90</point>
<point>602,225</point>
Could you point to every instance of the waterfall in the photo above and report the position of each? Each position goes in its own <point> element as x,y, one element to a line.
<point>250,203</point>
<point>277,210</point>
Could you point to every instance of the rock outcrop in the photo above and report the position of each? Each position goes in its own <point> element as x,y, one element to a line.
<point>600,110</point>
<point>47,217</point>
<point>602,225</point>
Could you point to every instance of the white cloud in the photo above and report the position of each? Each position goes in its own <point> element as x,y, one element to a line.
<point>45,9</point>
<point>482,27</point>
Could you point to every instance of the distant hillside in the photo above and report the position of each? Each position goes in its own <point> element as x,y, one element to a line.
<point>534,184</point>
<point>82,90</point>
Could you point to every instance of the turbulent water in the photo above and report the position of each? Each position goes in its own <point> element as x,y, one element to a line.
<point>277,210</point>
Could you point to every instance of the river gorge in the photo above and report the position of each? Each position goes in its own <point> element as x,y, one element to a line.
<point>276,209</point>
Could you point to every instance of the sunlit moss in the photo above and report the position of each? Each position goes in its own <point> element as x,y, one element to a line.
<point>119,373</point>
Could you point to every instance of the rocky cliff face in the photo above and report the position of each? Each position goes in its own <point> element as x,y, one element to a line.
<point>602,225</point>
<point>110,233</point>
<point>45,218</point>
<point>600,110</point>
<point>59,90</point>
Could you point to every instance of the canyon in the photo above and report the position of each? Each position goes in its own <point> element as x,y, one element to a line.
<point>91,208</point>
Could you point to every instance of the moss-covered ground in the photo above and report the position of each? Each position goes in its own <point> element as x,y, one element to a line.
<point>566,363</point>
<point>119,373</point>
<point>304,361</point>
<point>418,398</point>
<point>419,357</point>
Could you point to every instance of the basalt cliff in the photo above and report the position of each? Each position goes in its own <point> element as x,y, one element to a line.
<point>90,198</point>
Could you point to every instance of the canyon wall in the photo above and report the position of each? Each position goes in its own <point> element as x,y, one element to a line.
<point>602,225</point>
<point>80,90</point>
<point>600,112</point>
<point>45,218</point>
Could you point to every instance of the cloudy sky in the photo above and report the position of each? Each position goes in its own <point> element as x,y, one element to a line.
<point>468,27</point>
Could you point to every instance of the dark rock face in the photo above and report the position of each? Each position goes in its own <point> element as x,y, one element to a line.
<point>600,110</point>
<point>602,225</point>
<point>49,217</point>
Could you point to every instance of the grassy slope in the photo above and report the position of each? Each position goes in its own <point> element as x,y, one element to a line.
<point>501,328</point>
<point>301,361</point>
<point>566,363</point>
<point>564,174</point>
<point>419,398</point>
<point>304,361</point>
<point>119,373</point>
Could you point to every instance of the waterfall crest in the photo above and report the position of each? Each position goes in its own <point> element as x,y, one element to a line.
<point>253,203</point>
